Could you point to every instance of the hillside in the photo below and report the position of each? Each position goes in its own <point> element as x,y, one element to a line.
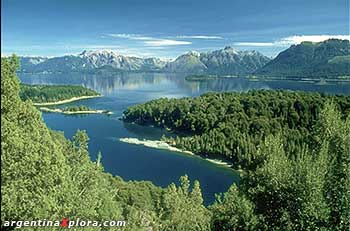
<point>324,59</point>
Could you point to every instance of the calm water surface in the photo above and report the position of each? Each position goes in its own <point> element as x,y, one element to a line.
<point>133,162</point>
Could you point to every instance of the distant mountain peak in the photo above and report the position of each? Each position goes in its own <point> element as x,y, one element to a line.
<point>103,52</point>
<point>229,49</point>
<point>194,53</point>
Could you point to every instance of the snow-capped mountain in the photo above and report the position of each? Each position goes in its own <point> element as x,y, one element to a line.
<point>102,58</point>
<point>91,60</point>
<point>225,61</point>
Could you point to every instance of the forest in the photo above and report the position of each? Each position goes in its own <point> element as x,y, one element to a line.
<point>49,93</point>
<point>304,186</point>
<point>232,125</point>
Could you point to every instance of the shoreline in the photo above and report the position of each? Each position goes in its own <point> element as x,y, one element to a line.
<point>165,146</point>
<point>316,80</point>
<point>66,100</point>
<point>57,110</point>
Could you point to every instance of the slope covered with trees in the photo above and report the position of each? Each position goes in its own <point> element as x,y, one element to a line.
<point>328,59</point>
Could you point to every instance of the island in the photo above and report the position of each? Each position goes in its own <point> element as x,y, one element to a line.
<point>200,77</point>
<point>47,95</point>
<point>73,110</point>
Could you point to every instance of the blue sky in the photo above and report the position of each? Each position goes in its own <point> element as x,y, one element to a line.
<point>166,28</point>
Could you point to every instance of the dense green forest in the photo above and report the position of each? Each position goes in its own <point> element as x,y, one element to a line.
<point>49,93</point>
<point>305,186</point>
<point>233,125</point>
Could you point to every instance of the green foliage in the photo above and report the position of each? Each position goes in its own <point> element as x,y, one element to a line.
<point>183,208</point>
<point>48,93</point>
<point>27,191</point>
<point>233,211</point>
<point>335,132</point>
<point>288,192</point>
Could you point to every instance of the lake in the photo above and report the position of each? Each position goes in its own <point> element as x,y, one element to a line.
<point>135,162</point>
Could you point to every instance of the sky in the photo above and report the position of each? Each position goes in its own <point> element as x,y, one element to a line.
<point>167,28</point>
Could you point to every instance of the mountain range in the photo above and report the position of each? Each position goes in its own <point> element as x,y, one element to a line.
<point>328,58</point>
<point>225,61</point>
<point>90,60</point>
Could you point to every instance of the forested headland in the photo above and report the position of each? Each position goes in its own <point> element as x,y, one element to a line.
<point>294,148</point>
<point>295,155</point>
<point>53,93</point>
<point>233,125</point>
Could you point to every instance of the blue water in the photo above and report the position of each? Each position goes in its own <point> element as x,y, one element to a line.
<point>134,162</point>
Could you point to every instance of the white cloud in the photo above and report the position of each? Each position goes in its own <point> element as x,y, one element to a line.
<point>199,37</point>
<point>131,36</point>
<point>151,41</point>
<point>296,39</point>
<point>165,42</point>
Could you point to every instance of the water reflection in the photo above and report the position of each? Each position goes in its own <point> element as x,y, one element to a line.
<point>109,84</point>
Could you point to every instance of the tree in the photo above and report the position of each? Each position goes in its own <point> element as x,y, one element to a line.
<point>233,211</point>
<point>183,208</point>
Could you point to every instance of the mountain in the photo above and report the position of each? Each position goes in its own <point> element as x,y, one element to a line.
<point>91,60</point>
<point>98,59</point>
<point>224,61</point>
<point>189,63</point>
<point>28,62</point>
<point>232,61</point>
<point>330,58</point>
